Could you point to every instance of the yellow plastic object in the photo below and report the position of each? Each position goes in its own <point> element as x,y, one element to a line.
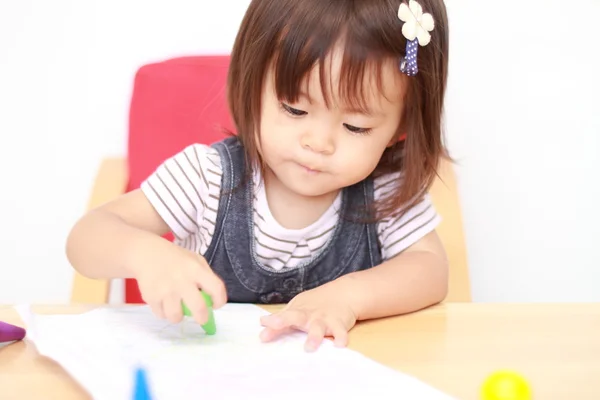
<point>505,385</point>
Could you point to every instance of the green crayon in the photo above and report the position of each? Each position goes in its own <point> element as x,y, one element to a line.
<point>210,326</point>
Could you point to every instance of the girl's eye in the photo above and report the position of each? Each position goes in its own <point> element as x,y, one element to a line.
<point>293,111</point>
<point>357,130</point>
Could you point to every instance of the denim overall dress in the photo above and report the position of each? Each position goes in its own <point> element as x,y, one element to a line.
<point>353,245</point>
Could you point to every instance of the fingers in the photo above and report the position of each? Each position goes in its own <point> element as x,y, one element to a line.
<point>321,328</point>
<point>157,309</point>
<point>212,284</point>
<point>339,333</point>
<point>193,300</point>
<point>316,334</point>
<point>282,323</point>
<point>286,318</point>
<point>277,325</point>
<point>172,309</point>
<point>270,334</point>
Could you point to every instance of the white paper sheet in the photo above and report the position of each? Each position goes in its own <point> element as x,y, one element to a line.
<point>102,348</point>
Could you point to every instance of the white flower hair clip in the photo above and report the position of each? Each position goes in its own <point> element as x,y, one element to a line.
<point>416,28</point>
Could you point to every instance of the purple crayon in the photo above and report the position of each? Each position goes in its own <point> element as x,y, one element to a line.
<point>10,333</point>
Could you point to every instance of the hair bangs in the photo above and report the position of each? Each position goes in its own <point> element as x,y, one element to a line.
<point>308,45</point>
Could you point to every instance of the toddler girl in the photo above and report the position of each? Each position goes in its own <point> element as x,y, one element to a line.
<point>320,199</point>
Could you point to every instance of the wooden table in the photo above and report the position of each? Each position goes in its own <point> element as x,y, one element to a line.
<point>451,346</point>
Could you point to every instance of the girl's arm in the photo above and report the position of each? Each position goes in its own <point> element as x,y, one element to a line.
<point>126,234</point>
<point>123,238</point>
<point>107,242</point>
<point>412,280</point>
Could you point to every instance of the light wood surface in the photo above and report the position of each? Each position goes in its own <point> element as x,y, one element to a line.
<point>444,195</point>
<point>452,346</point>
<point>112,179</point>
<point>110,182</point>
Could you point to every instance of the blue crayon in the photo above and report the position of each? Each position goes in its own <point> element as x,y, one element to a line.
<point>141,389</point>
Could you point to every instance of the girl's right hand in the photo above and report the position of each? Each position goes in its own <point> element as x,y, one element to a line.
<point>124,238</point>
<point>177,277</point>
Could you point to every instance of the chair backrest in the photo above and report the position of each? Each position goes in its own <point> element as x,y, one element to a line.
<point>444,194</point>
<point>183,100</point>
<point>175,103</point>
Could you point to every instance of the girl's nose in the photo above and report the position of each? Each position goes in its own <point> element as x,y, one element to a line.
<point>318,143</point>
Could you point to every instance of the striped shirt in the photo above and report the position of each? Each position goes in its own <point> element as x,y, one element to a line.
<point>185,191</point>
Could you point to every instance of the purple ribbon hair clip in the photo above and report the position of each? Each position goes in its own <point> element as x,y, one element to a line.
<point>416,28</point>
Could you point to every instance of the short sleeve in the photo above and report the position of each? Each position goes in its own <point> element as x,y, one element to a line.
<point>184,189</point>
<point>396,234</point>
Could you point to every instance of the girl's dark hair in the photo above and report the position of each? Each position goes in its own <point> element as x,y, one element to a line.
<point>291,37</point>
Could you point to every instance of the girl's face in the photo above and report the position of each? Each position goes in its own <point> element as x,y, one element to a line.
<point>313,150</point>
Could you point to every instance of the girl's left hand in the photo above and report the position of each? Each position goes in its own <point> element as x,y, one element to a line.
<point>320,312</point>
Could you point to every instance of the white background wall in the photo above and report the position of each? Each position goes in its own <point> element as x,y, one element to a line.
<point>523,123</point>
